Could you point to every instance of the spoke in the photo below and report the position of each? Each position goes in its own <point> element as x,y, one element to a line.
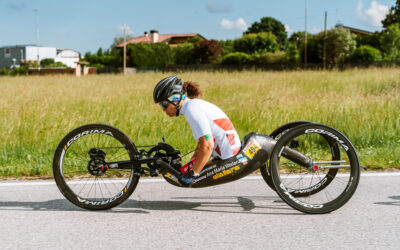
<point>106,186</point>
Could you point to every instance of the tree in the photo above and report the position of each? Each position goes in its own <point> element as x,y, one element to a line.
<point>390,42</point>
<point>270,24</point>
<point>298,37</point>
<point>256,43</point>
<point>370,40</point>
<point>340,44</point>
<point>207,51</point>
<point>119,40</point>
<point>393,16</point>
<point>100,52</point>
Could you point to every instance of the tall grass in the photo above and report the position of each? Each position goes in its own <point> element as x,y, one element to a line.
<point>37,112</point>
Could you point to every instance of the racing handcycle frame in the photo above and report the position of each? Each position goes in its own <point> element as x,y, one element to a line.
<point>258,151</point>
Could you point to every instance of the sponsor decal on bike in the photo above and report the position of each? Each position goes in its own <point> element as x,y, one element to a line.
<point>200,178</point>
<point>87,132</point>
<point>242,159</point>
<point>298,201</point>
<point>215,169</point>
<point>251,149</point>
<point>308,190</point>
<point>103,202</point>
<point>280,134</point>
<point>321,131</point>
<point>226,172</point>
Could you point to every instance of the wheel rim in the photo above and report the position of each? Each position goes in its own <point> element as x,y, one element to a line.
<point>83,175</point>
<point>323,186</point>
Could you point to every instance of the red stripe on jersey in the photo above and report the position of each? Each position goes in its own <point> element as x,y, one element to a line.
<point>218,151</point>
<point>224,123</point>
<point>235,150</point>
<point>231,139</point>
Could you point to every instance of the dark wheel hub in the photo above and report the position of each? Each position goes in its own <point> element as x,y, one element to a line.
<point>97,165</point>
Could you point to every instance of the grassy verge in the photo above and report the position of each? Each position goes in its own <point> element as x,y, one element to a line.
<point>36,112</point>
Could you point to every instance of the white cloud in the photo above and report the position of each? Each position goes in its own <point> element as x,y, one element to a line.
<point>374,15</point>
<point>288,29</point>
<point>315,30</point>
<point>239,24</point>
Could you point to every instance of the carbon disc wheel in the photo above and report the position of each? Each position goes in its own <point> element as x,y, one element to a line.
<point>80,167</point>
<point>329,182</point>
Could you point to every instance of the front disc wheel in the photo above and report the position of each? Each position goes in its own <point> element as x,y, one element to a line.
<point>81,171</point>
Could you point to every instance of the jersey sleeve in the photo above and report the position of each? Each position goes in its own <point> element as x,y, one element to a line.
<point>199,124</point>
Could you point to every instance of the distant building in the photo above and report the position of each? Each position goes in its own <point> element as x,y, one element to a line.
<point>154,37</point>
<point>354,30</point>
<point>19,54</point>
<point>68,57</point>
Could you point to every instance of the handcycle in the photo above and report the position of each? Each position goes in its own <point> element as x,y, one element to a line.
<point>312,167</point>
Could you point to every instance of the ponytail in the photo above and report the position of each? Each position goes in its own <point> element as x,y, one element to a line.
<point>192,90</point>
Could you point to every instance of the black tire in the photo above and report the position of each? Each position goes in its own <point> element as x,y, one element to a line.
<point>72,171</point>
<point>289,177</point>
<point>276,134</point>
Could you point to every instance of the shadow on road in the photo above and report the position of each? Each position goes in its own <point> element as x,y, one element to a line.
<point>234,204</point>
<point>393,203</point>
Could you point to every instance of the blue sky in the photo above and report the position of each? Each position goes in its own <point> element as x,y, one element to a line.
<point>86,25</point>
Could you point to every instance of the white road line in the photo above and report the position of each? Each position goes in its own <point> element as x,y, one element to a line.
<point>252,177</point>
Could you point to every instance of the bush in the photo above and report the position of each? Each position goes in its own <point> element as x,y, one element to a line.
<point>227,47</point>
<point>270,58</point>
<point>46,62</point>
<point>21,71</point>
<point>183,54</point>
<point>293,53</point>
<point>236,58</point>
<point>390,43</point>
<point>256,43</point>
<point>149,55</point>
<point>366,54</point>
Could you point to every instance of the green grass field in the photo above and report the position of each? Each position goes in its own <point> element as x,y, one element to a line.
<point>37,112</point>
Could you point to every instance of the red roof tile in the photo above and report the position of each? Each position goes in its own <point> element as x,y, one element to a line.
<point>161,38</point>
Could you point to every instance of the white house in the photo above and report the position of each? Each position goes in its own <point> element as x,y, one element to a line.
<point>68,57</point>
<point>17,54</point>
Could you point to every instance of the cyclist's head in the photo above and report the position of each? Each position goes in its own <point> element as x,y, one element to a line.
<point>168,87</point>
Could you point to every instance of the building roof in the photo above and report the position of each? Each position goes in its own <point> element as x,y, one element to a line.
<point>161,38</point>
<point>354,30</point>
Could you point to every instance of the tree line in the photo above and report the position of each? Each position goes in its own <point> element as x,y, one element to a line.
<point>265,42</point>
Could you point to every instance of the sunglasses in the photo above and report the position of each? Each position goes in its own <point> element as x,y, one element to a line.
<point>164,104</point>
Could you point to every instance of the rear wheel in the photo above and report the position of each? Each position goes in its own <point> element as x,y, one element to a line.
<point>80,167</point>
<point>276,134</point>
<point>331,179</point>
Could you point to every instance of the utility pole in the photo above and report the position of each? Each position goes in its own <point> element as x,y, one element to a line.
<point>326,16</point>
<point>305,35</point>
<point>124,49</point>
<point>37,37</point>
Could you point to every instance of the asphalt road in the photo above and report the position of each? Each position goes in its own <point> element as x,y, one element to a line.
<point>242,214</point>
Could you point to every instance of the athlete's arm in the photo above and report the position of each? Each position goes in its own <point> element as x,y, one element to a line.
<point>203,152</point>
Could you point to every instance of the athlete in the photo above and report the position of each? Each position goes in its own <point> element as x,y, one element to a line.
<point>211,128</point>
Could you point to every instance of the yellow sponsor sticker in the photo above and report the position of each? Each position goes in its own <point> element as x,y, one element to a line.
<point>226,172</point>
<point>252,149</point>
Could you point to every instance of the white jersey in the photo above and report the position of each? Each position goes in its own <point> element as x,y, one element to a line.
<point>206,118</point>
